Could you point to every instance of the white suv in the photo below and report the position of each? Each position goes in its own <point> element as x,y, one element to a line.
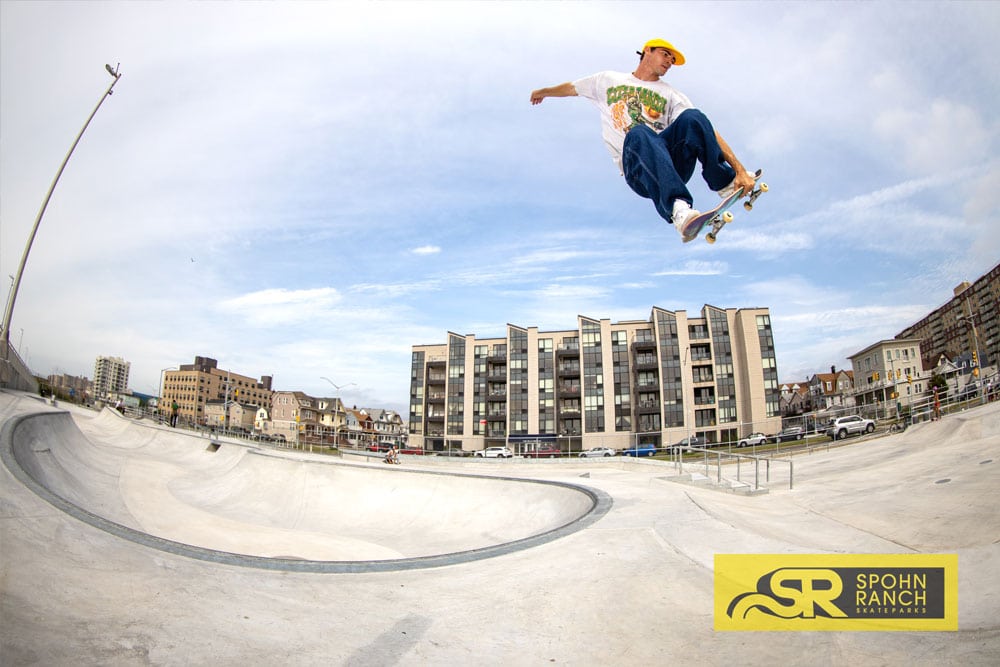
<point>753,440</point>
<point>842,427</point>
<point>495,453</point>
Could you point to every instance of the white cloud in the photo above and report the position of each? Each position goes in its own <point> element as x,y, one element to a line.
<point>696,268</point>
<point>426,250</point>
<point>935,137</point>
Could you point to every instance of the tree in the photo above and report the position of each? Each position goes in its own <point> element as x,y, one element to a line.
<point>939,382</point>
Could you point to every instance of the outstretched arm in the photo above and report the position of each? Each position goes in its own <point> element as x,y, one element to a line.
<point>562,90</point>
<point>743,179</point>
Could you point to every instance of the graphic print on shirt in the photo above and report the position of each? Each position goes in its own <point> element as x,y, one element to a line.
<point>633,105</point>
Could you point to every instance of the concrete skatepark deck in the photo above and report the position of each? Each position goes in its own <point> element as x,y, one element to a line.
<point>612,563</point>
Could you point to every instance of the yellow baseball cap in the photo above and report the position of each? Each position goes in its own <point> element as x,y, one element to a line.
<point>664,44</point>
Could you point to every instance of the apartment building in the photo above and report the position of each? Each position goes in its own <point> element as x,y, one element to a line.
<point>193,385</point>
<point>969,323</point>
<point>601,384</point>
<point>71,385</point>
<point>110,377</point>
<point>888,373</point>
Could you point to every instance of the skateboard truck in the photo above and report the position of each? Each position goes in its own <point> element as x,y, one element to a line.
<point>722,219</point>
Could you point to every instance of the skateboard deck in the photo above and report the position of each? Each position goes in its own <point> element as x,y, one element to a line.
<point>720,216</point>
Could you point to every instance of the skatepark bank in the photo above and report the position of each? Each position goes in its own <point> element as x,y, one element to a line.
<point>632,586</point>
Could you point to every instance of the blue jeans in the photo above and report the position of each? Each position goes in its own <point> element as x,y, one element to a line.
<point>658,166</point>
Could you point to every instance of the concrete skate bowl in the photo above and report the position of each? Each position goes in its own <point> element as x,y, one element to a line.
<point>251,507</point>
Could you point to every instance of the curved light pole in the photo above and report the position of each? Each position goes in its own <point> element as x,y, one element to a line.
<point>115,74</point>
<point>338,388</point>
<point>978,360</point>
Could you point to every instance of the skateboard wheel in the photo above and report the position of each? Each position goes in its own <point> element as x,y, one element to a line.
<point>727,216</point>
<point>710,237</point>
<point>763,187</point>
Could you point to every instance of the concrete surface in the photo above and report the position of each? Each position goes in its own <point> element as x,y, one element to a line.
<point>630,584</point>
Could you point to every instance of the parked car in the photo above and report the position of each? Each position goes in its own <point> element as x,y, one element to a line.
<point>543,452</point>
<point>841,427</point>
<point>494,453</point>
<point>641,449</point>
<point>597,452</point>
<point>790,433</point>
<point>692,441</point>
<point>753,440</point>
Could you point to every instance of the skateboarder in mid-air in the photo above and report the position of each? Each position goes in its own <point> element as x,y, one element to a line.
<point>655,135</point>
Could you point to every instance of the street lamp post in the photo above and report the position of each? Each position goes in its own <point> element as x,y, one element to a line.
<point>338,388</point>
<point>978,359</point>
<point>8,314</point>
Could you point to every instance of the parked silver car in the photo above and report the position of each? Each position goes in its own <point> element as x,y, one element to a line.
<point>841,427</point>
<point>597,452</point>
<point>753,440</point>
<point>692,441</point>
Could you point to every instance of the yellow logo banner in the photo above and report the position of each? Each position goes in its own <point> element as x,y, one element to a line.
<point>806,592</point>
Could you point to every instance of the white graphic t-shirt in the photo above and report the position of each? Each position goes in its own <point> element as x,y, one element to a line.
<point>625,101</point>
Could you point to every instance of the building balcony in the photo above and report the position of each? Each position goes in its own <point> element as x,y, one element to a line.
<point>569,390</point>
<point>647,407</point>
<point>568,370</point>
<point>568,351</point>
<point>645,362</point>
<point>643,344</point>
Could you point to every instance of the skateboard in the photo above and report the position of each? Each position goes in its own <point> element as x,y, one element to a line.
<point>720,216</point>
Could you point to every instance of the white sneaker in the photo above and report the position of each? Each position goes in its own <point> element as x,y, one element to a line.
<point>683,214</point>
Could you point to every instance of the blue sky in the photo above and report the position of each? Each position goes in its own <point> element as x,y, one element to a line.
<point>306,190</point>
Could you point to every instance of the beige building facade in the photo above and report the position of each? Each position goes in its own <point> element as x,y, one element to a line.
<point>888,373</point>
<point>193,385</point>
<point>652,381</point>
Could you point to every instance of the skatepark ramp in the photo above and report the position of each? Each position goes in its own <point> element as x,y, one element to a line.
<point>258,507</point>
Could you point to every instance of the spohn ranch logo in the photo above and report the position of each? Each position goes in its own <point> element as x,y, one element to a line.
<point>877,592</point>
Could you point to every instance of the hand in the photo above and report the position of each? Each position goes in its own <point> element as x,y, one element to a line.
<point>745,180</point>
<point>537,96</point>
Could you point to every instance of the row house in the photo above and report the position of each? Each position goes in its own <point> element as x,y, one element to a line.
<point>230,416</point>
<point>388,426</point>
<point>831,391</point>
<point>299,418</point>
<point>795,399</point>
